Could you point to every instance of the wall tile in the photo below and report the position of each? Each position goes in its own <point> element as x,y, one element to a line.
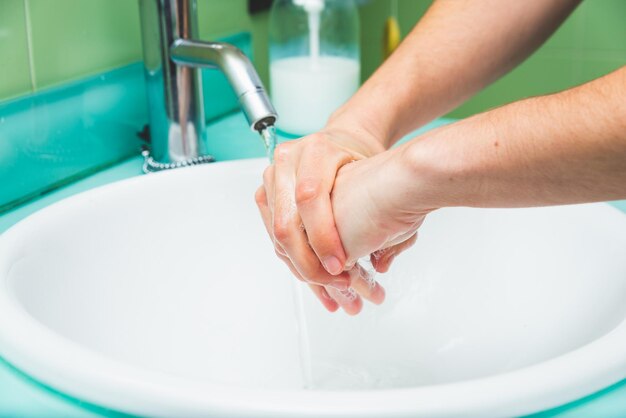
<point>260,45</point>
<point>75,38</point>
<point>373,15</point>
<point>595,68</point>
<point>409,13</point>
<point>14,64</point>
<point>570,34</point>
<point>591,43</point>
<point>219,18</point>
<point>604,25</point>
<point>545,72</point>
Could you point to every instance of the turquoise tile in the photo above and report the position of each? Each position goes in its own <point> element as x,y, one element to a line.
<point>607,403</point>
<point>53,137</point>
<point>620,204</point>
<point>14,74</point>
<point>21,396</point>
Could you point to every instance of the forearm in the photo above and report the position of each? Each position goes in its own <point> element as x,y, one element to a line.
<point>458,48</point>
<point>563,148</point>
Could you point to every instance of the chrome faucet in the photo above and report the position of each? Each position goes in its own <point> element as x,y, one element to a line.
<point>172,58</point>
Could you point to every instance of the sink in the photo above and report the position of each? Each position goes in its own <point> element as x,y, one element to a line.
<point>161,296</point>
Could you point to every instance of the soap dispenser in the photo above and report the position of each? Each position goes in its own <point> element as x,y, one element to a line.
<point>314,61</point>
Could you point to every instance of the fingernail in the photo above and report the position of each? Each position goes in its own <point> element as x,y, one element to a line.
<point>332,265</point>
<point>340,284</point>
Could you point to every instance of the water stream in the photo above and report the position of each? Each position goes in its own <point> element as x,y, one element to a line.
<point>304,351</point>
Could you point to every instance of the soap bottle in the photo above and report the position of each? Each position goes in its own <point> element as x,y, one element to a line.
<point>314,61</point>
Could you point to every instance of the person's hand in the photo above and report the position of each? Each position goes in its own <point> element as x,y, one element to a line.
<point>374,211</point>
<point>295,205</point>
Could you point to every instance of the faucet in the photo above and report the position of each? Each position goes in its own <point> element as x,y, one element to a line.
<point>172,60</point>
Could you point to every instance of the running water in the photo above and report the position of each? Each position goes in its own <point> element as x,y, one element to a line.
<point>268,135</point>
<point>304,349</point>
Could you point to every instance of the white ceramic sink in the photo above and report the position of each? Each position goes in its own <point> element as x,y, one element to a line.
<point>161,296</point>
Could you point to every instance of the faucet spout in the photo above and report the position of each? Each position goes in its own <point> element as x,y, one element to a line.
<point>239,71</point>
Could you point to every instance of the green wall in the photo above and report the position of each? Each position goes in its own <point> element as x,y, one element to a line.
<point>49,42</point>
<point>70,39</point>
<point>590,44</point>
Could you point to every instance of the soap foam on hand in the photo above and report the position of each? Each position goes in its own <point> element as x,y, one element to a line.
<point>306,92</point>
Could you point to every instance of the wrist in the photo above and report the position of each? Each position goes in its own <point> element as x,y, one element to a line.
<point>357,122</point>
<point>436,167</point>
<point>453,165</point>
<point>355,136</point>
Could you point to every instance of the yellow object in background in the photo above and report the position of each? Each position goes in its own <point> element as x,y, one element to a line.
<point>391,34</point>
<point>391,37</point>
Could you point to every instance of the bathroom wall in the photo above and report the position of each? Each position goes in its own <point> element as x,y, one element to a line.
<point>45,43</point>
<point>591,43</point>
<point>50,42</point>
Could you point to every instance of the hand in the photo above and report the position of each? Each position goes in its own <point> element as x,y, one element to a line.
<point>295,205</point>
<point>373,210</point>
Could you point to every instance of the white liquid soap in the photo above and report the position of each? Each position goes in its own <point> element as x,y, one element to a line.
<point>307,90</point>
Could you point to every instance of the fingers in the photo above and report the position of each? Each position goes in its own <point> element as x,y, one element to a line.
<point>261,201</point>
<point>268,184</point>
<point>382,259</point>
<point>362,286</point>
<point>286,225</point>
<point>327,301</point>
<point>314,206</point>
<point>348,299</point>
<point>366,286</point>
<point>295,205</point>
<point>322,294</point>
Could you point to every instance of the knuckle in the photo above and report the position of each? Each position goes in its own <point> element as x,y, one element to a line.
<point>281,232</point>
<point>260,197</point>
<point>319,144</point>
<point>268,174</point>
<point>282,152</point>
<point>307,190</point>
<point>315,274</point>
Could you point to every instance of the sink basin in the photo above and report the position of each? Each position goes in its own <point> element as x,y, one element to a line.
<point>161,296</point>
